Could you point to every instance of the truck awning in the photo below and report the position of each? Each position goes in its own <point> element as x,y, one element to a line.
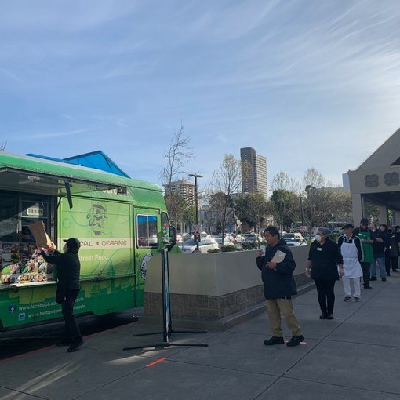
<point>27,174</point>
<point>33,182</point>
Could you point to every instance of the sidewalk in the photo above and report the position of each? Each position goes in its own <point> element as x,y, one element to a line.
<point>354,356</point>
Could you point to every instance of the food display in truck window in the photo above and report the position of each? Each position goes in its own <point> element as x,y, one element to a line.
<point>20,260</point>
<point>22,263</point>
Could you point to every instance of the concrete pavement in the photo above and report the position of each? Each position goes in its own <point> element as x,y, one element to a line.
<point>354,356</point>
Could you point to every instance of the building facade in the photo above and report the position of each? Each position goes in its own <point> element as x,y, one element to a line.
<point>254,171</point>
<point>377,181</point>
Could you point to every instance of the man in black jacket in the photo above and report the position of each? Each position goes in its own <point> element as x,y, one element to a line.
<point>68,286</point>
<point>277,266</point>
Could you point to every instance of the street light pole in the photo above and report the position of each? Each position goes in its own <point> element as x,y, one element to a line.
<point>301,210</point>
<point>196,205</point>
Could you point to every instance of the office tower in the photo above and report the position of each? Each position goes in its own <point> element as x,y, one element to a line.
<point>254,171</point>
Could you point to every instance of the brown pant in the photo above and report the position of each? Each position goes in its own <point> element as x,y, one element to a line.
<point>275,308</point>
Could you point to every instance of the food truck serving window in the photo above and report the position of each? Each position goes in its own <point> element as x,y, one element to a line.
<point>147,231</point>
<point>20,262</point>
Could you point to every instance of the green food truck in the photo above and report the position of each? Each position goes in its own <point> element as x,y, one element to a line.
<point>120,222</point>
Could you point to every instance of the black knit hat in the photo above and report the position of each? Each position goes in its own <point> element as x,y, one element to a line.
<point>73,243</point>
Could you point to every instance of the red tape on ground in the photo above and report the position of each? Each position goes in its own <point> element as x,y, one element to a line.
<point>160,360</point>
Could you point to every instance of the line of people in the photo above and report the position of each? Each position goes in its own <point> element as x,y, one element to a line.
<point>356,255</point>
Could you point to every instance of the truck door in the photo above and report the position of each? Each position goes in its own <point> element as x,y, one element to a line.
<point>147,228</point>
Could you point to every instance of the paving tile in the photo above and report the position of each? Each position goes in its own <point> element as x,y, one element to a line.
<point>245,352</point>
<point>56,374</point>
<point>7,394</point>
<point>367,333</point>
<point>350,364</point>
<point>304,390</point>
<point>172,380</point>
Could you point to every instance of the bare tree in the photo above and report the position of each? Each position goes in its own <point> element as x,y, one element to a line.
<point>226,181</point>
<point>3,145</point>
<point>282,181</point>
<point>176,157</point>
<point>313,178</point>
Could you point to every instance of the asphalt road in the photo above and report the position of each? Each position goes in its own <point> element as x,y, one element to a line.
<point>24,340</point>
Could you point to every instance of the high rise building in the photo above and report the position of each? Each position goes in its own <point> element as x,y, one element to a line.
<point>184,188</point>
<point>254,171</point>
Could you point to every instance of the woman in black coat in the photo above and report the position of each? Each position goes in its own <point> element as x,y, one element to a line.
<point>323,259</point>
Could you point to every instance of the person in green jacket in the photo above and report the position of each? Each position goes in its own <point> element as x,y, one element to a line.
<point>365,236</point>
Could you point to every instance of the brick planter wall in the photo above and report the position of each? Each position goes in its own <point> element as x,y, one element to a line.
<point>202,307</point>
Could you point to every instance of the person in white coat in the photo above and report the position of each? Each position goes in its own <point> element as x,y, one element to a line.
<point>350,248</point>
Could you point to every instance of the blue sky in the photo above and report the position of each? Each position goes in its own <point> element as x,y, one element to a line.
<point>307,83</point>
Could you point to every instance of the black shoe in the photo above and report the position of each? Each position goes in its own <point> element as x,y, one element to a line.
<point>373,278</point>
<point>347,298</point>
<point>329,316</point>
<point>75,346</point>
<point>396,270</point>
<point>383,279</point>
<point>274,340</point>
<point>356,299</point>
<point>387,274</point>
<point>323,315</point>
<point>295,341</point>
<point>368,287</point>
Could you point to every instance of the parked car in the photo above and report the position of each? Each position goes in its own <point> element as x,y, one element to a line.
<point>208,243</point>
<point>239,238</point>
<point>292,243</point>
<point>187,236</point>
<point>293,237</point>
<point>253,238</point>
<point>228,240</point>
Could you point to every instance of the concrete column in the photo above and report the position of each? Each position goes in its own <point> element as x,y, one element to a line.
<point>357,204</point>
<point>383,215</point>
<point>397,218</point>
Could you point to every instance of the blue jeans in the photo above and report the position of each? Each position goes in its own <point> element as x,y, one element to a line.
<point>382,268</point>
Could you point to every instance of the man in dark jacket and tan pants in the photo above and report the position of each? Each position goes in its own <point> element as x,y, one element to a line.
<point>277,266</point>
<point>68,269</point>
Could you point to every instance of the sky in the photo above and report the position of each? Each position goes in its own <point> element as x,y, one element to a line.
<point>307,83</point>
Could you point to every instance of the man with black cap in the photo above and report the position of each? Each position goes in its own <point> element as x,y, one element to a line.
<point>366,238</point>
<point>68,269</point>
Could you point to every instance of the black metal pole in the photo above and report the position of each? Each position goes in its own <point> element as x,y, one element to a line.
<point>196,206</point>
<point>301,210</point>
<point>196,200</point>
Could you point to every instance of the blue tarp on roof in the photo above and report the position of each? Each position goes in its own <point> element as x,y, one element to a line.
<point>94,159</point>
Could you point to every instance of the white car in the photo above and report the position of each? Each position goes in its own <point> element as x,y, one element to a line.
<point>292,243</point>
<point>293,237</point>
<point>240,239</point>
<point>208,243</point>
<point>228,240</point>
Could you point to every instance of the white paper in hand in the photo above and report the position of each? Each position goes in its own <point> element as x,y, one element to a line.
<point>278,257</point>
